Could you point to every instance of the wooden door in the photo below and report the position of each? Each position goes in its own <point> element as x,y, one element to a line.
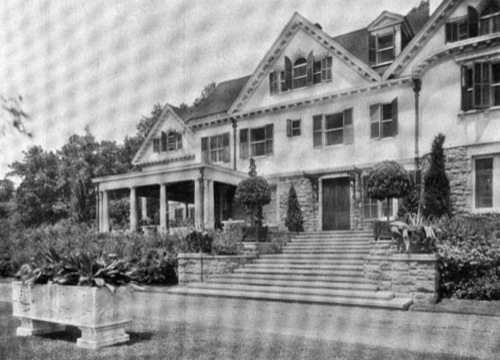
<point>336,204</point>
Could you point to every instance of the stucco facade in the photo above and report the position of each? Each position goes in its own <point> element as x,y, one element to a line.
<point>320,111</point>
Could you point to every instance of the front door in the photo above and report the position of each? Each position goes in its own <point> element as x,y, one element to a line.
<point>336,204</point>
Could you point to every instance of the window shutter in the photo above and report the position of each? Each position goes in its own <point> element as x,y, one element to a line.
<point>244,144</point>
<point>395,117</point>
<point>465,105</point>
<point>473,21</point>
<point>372,50</point>
<point>204,149</point>
<point>317,130</point>
<point>156,145</point>
<point>310,64</point>
<point>451,32</point>
<point>269,138</point>
<point>326,69</point>
<point>163,141</point>
<point>348,127</point>
<point>226,148</point>
<point>179,141</point>
<point>273,82</point>
<point>289,128</point>
<point>288,73</point>
<point>375,121</point>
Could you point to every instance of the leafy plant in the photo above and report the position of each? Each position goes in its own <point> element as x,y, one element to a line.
<point>414,234</point>
<point>294,220</point>
<point>197,241</point>
<point>228,242</point>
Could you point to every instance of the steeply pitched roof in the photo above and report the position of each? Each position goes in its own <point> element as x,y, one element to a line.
<point>418,16</point>
<point>219,100</point>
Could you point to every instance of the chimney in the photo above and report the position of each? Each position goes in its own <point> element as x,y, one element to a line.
<point>318,26</point>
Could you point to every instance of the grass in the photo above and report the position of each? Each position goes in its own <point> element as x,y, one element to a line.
<point>176,340</point>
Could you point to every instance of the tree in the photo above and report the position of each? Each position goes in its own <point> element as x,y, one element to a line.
<point>388,180</point>
<point>14,109</point>
<point>436,183</point>
<point>253,193</point>
<point>207,90</point>
<point>294,220</point>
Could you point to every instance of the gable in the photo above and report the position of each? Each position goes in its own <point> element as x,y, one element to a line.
<point>298,31</point>
<point>168,123</point>
<point>385,19</point>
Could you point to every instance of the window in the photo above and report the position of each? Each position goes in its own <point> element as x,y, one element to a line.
<point>167,142</point>
<point>463,28</point>
<point>293,128</point>
<point>303,72</point>
<point>179,215</point>
<point>381,49</point>
<point>384,120</point>
<point>270,211</point>
<point>480,85</point>
<point>215,149</point>
<point>337,129</point>
<point>490,20</point>
<point>256,142</point>
<point>484,183</point>
<point>375,209</point>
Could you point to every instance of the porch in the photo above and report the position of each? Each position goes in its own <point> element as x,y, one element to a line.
<point>206,187</point>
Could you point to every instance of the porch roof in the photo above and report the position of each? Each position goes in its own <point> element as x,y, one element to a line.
<point>170,175</point>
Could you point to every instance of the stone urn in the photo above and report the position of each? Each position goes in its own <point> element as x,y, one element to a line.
<point>100,314</point>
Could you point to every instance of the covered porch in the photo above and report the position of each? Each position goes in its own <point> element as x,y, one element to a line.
<point>206,187</point>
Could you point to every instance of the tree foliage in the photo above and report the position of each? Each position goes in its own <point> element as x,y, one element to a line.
<point>13,108</point>
<point>207,90</point>
<point>294,220</point>
<point>436,183</point>
<point>253,192</point>
<point>388,180</point>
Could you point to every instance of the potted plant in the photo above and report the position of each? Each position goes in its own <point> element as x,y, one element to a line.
<point>414,234</point>
<point>81,289</point>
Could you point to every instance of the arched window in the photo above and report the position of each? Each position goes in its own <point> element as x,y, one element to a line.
<point>300,73</point>
<point>490,20</point>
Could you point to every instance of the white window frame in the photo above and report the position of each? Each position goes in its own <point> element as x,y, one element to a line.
<point>270,211</point>
<point>380,214</point>
<point>495,185</point>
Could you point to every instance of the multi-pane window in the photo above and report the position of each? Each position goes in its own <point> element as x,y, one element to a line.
<point>270,211</point>
<point>474,24</point>
<point>333,129</point>
<point>215,149</point>
<point>480,85</point>
<point>484,183</point>
<point>293,128</point>
<point>375,209</point>
<point>170,141</point>
<point>490,20</point>
<point>303,72</point>
<point>381,49</point>
<point>256,142</point>
<point>384,120</point>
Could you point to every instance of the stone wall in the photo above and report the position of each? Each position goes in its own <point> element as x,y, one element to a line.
<point>307,200</point>
<point>199,267</point>
<point>406,275</point>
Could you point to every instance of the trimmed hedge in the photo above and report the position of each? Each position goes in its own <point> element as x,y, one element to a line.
<point>469,252</point>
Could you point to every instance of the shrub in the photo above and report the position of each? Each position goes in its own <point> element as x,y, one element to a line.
<point>436,183</point>
<point>157,267</point>
<point>294,220</point>
<point>197,241</point>
<point>228,242</point>
<point>469,252</point>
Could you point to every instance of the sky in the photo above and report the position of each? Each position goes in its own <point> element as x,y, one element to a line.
<point>102,64</point>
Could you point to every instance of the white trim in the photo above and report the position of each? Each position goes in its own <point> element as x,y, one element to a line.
<point>320,196</point>
<point>495,184</point>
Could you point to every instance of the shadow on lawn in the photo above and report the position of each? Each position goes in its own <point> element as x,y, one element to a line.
<point>72,333</point>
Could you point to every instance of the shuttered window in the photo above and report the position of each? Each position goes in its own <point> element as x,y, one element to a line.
<point>293,128</point>
<point>463,28</point>
<point>336,129</point>
<point>215,149</point>
<point>261,140</point>
<point>480,85</point>
<point>384,120</point>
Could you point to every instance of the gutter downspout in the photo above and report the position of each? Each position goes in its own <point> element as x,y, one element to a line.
<point>235,126</point>
<point>417,86</point>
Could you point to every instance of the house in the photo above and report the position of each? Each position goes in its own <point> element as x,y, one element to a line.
<point>320,111</point>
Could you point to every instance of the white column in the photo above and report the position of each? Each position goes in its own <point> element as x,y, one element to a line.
<point>144,208</point>
<point>163,208</point>
<point>105,211</point>
<point>208,203</point>
<point>134,220</point>
<point>186,210</point>
<point>198,203</point>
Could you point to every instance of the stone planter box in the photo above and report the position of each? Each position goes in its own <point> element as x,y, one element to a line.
<point>101,315</point>
<point>414,275</point>
<point>199,267</point>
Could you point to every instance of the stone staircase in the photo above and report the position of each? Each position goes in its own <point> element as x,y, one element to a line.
<point>314,268</point>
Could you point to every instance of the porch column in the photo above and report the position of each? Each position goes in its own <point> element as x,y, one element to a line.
<point>208,203</point>
<point>186,211</point>
<point>163,208</point>
<point>144,208</point>
<point>133,209</point>
<point>105,211</point>
<point>198,203</point>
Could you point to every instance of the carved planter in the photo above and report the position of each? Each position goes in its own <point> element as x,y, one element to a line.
<point>101,315</point>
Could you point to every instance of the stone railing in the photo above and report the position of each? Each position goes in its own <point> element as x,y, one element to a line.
<point>406,275</point>
<point>198,267</point>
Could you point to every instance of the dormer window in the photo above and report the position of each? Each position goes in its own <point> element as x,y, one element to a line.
<point>301,73</point>
<point>171,141</point>
<point>382,49</point>
<point>490,20</point>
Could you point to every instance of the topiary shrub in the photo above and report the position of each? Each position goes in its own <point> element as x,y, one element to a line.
<point>294,220</point>
<point>388,180</point>
<point>436,183</point>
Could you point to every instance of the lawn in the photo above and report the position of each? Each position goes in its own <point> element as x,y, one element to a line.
<point>178,340</point>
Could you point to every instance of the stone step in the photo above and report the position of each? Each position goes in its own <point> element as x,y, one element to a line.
<point>306,262</point>
<point>296,290</point>
<point>360,245</point>
<point>393,304</point>
<point>313,257</point>
<point>305,267</point>
<point>285,271</point>
<point>297,277</point>
<point>340,253</point>
<point>267,281</point>
<point>333,235</point>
